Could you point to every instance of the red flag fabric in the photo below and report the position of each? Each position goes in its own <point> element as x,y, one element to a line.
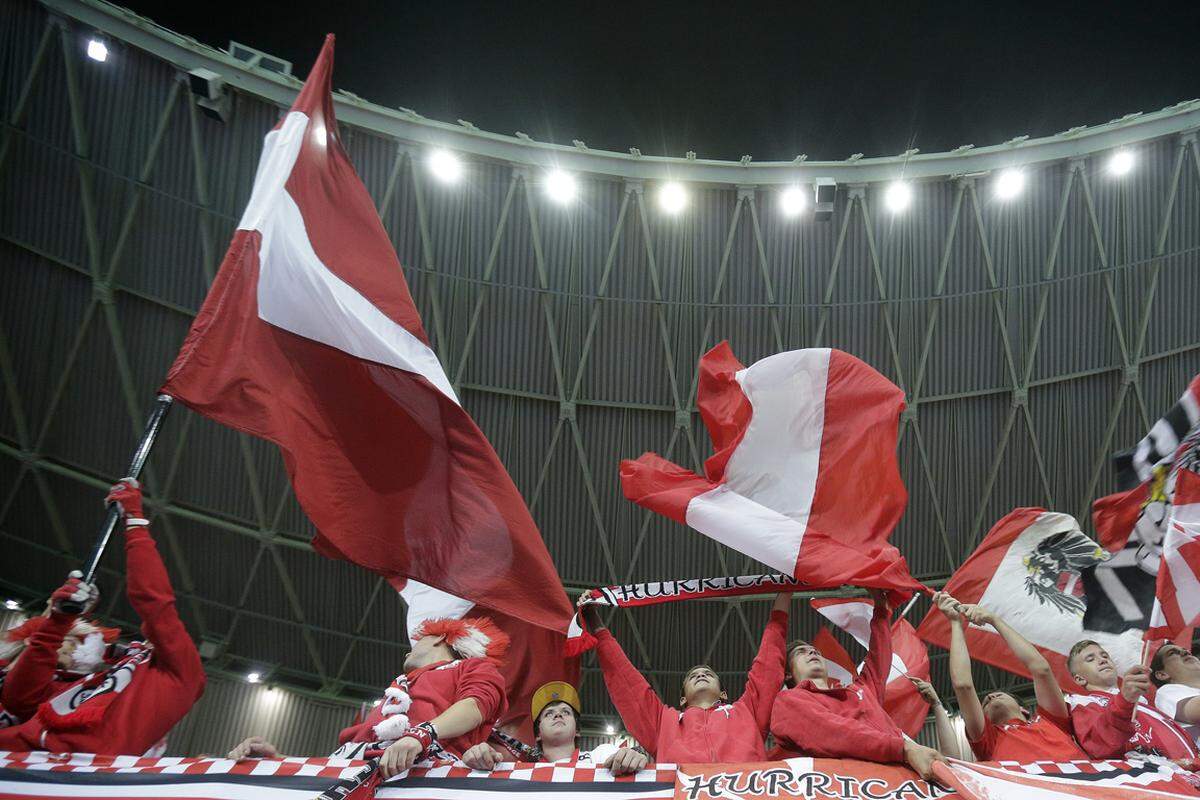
<point>803,476</point>
<point>838,662</point>
<point>310,339</point>
<point>902,701</point>
<point>1177,593</point>
<point>534,658</point>
<point>1027,569</point>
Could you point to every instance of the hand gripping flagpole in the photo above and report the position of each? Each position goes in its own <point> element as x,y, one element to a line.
<point>161,406</point>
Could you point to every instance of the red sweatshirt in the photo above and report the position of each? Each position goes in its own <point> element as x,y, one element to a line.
<point>159,692</point>
<point>436,687</point>
<point>35,676</point>
<point>729,732</point>
<point>1106,727</point>
<point>842,721</point>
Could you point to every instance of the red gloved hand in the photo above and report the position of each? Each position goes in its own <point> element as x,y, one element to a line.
<point>127,494</point>
<point>76,593</point>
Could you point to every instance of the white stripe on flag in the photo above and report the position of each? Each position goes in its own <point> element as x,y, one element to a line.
<point>1182,529</point>
<point>748,527</point>
<point>298,293</point>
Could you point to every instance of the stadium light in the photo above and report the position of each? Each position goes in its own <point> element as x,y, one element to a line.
<point>672,198</point>
<point>254,677</point>
<point>792,201</point>
<point>609,729</point>
<point>97,50</point>
<point>1009,184</point>
<point>1120,163</point>
<point>12,605</point>
<point>561,187</point>
<point>898,197</point>
<point>445,166</point>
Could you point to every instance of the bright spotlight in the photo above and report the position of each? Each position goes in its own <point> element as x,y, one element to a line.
<point>254,677</point>
<point>1120,163</point>
<point>561,187</point>
<point>12,605</point>
<point>610,730</point>
<point>792,201</point>
<point>672,198</point>
<point>1009,184</point>
<point>898,197</point>
<point>377,703</point>
<point>97,50</point>
<point>445,166</point>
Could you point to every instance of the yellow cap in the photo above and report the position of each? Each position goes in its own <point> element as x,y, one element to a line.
<point>555,692</point>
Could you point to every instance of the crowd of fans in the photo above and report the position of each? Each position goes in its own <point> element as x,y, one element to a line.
<point>68,685</point>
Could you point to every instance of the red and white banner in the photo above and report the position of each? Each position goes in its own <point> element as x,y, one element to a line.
<point>309,338</point>
<point>1072,780</point>
<point>1028,570</point>
<point>902,701</point>
<point>1177,593</point>
<point>803,477</point>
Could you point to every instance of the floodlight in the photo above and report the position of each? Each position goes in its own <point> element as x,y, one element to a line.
<point>254,677</point>
<point>12,605</point>
<point>445,166</point>
<point>561,187</point>
<point>792,201</point>
<point>1009,184</point>
<point>898,197</point>
<point>97,50</point>
<point>609,729</point>
<point>672,198</point>
<point>1120,163</point>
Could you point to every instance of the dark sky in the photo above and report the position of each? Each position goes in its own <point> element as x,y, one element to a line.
<point>769,79</point>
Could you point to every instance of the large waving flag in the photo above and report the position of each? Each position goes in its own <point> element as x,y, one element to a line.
<point>902,701</point>
<point>803,476</point>
<point>309,338</point>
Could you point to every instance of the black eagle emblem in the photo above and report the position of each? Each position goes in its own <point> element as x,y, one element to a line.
<point>1053,561</point>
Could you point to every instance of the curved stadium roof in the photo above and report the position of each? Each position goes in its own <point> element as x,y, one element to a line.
<point>1032,337</point>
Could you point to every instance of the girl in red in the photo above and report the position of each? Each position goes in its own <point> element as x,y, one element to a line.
<point>997,727</point>
<point>127,706</point>
<point>817,716</point>
<point>706,727</point>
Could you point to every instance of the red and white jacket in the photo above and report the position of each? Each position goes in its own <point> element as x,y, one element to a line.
<point>842,721</point>
<point>35,676</point>
<point>433,689</point>
<point>1106,727</point>
<point>729,732</point>
<point>130,707</point>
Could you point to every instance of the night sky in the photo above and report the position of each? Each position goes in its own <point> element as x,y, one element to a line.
<point>769,79</point>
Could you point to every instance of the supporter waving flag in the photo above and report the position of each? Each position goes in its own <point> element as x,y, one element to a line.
<point>309,338</point>
<point>804,475</point>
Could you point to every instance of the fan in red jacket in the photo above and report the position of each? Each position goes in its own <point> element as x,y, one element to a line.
<point>46,654</point>
<point>707,728</point>
<point>818,716</point>
<point>1105,723</point>
<point>445,702</point>
<point>132,702</point>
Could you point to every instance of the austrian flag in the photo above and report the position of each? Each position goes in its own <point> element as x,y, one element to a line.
<point>309,338</point>
<point>803,476</point>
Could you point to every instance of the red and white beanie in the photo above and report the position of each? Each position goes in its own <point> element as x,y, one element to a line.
<point>473,637</point>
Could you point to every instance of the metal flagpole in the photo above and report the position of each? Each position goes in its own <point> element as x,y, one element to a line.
<point>161,406</point>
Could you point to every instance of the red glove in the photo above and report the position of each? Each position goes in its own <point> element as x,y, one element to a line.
<point>127,494</point>
<point>83,595</point>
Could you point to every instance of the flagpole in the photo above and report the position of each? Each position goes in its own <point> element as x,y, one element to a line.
<point>908,606</point>
<point>161,406</point>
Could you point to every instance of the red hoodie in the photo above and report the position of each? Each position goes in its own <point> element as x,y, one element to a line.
<point>1106,727</point>
<point>35,676</point>
<point>433,689</point>
<point>159,691</point>
<point>730,732</point>
<point>842,721</point>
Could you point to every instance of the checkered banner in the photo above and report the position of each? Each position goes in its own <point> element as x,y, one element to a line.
<point>1072,780</point>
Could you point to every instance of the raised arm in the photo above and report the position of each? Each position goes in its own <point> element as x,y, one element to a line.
<point>879,655</point>
<point>149,590</point>
<point>766,673</point>
<point>1045,686</point>
<point>960,668</point>
<point>636,701</point>
<point>947,740</point>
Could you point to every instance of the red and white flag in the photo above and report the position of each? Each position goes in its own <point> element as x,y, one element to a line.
<point>534,658</point>
<point>838,663</point>
<point>1177,594</point>
<point>1028,569</point>
<point>803,477</point>
<point>902,701</point>
<point>310,339</point>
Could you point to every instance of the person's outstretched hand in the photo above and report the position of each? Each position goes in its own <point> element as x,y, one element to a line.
<point>254,747</point>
